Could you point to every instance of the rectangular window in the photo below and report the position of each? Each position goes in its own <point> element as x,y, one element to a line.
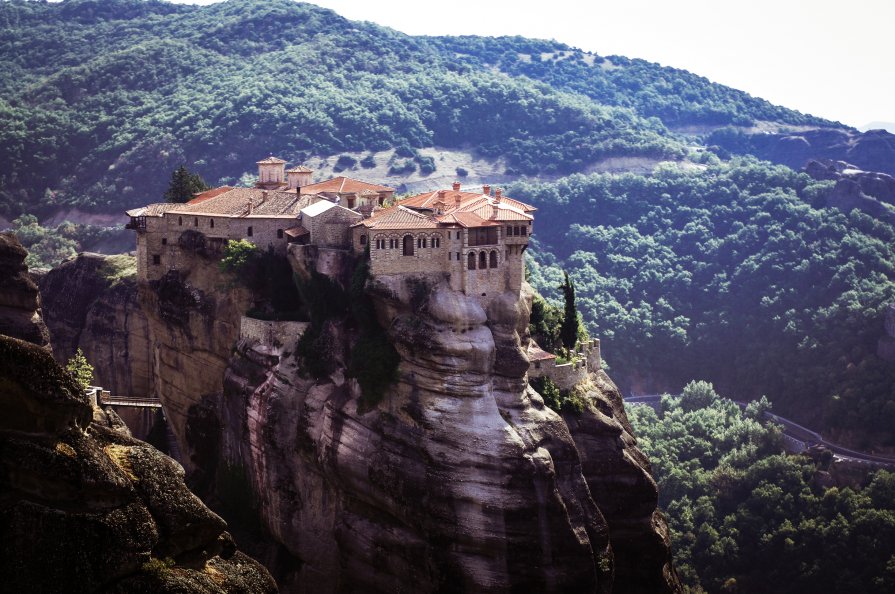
<point>164,241</point>
<point>249,232</point>
<point>279,234</point>
<point>156,259</point>
<point>524,230</point>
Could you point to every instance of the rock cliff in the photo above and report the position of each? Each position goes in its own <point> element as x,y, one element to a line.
<point>458,479</point>
<point>84,507</point>
<point>20,304</point>
<point>88,308</point>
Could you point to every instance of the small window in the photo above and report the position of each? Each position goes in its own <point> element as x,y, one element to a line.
<point>363,240</point>
<point>524,230</point>
<point>249,232</point>
<point>380,244</point>
<point>492,260</point>
<point>180,221</point>
<point>211,223</point>
<point>436,242</point>
<point>195,221</point>
<point>483,260</point>
<point>408,245</point>
<point>279,234</point>
<point>156,259</point>
<point>458,256</point>
<point>164,241</point>
<point>470,261</point>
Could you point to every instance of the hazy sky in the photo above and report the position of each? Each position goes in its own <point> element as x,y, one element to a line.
<point>831,59</point>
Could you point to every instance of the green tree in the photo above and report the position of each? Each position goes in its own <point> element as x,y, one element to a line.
<point>80,369</point>
<point>570,328</point>
<point>184,185</point>
<point>237,255</point>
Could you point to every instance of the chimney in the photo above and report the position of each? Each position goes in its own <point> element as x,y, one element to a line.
<point>486,190</point>
<point>457,200</point>
<point>456,186</point>
<point>263,197</point>
<point>497,195</point>
<point>441,194</point>
<point>251,206</point>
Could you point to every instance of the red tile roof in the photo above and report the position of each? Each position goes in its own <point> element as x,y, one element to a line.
<point>466,209</point>
<point>207,194</point>
<point>536,353</point>
<point>343,185</point>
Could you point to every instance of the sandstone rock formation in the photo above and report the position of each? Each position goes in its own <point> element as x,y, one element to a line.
<point>869,191</point>
<point>83,506</point>
<point>873,150</point>
<point>84,309</point>
<point>19,297</point>
<point>459,479</point>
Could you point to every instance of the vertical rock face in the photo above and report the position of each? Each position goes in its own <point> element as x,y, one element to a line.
<point>83,506</point>
<point>19,297</point>
<point>85,310</point>
<point>460,479</point>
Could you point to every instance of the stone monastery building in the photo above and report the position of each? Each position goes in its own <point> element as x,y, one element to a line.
<point>475,238</point>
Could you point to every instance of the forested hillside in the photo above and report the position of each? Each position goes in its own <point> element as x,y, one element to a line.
<point>100,100</point>
<point>734,272</point>
<point>731,270</point>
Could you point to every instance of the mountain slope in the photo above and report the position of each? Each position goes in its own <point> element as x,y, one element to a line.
<point>101,100</point>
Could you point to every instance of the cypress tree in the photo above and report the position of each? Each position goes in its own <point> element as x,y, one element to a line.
<point>183,185</point>
<point>568,331</point>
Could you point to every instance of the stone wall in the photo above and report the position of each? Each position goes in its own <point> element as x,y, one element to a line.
<point>567,375</point>
<point>331,227</point>
<point>271,333</point>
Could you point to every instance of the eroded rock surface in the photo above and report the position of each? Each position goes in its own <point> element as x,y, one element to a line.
<point>460,479</point>
<point>19,298</point>
<point>85,310</point>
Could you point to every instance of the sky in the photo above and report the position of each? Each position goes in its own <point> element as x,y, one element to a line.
<point>830,59</point>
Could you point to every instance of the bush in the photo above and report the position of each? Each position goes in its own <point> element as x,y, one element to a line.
<point>237,255</point>
<point>344,162</point>
<point>404,167</point>
<point>461,172</point>
<point>80,369</point>
<point>427,164</point>
<point>368,162</point>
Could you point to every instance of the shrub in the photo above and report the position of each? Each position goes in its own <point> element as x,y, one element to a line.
<point>80,369</point>
<point>368,162</point>
<point>404,167</point>
<point>237,255</point>
<point>461,172</point>
<point>344,162</point>
<point>427,164</point>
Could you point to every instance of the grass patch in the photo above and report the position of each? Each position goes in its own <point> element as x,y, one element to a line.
<point>118,269</point>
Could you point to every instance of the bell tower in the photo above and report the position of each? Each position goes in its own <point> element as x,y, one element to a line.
<point>271,172</point>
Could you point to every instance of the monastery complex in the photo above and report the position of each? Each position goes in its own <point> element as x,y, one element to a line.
<point>476,238</point>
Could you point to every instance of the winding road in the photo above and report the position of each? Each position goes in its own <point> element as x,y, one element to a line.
<point>797,436</point>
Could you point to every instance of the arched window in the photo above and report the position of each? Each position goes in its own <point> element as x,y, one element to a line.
<point>436,241</point>
<point>408,245</point>
<point>483,260</point>
<point>363,240</point>
<point>211,223</point>
<point>492,260</point>
<point>470,261</point>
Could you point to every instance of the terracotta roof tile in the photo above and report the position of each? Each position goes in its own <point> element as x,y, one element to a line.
<point>343,185</point>
<point>536,353</point>
<point>399,217</point>
<point>300,169</point>
<point>235,203</point>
